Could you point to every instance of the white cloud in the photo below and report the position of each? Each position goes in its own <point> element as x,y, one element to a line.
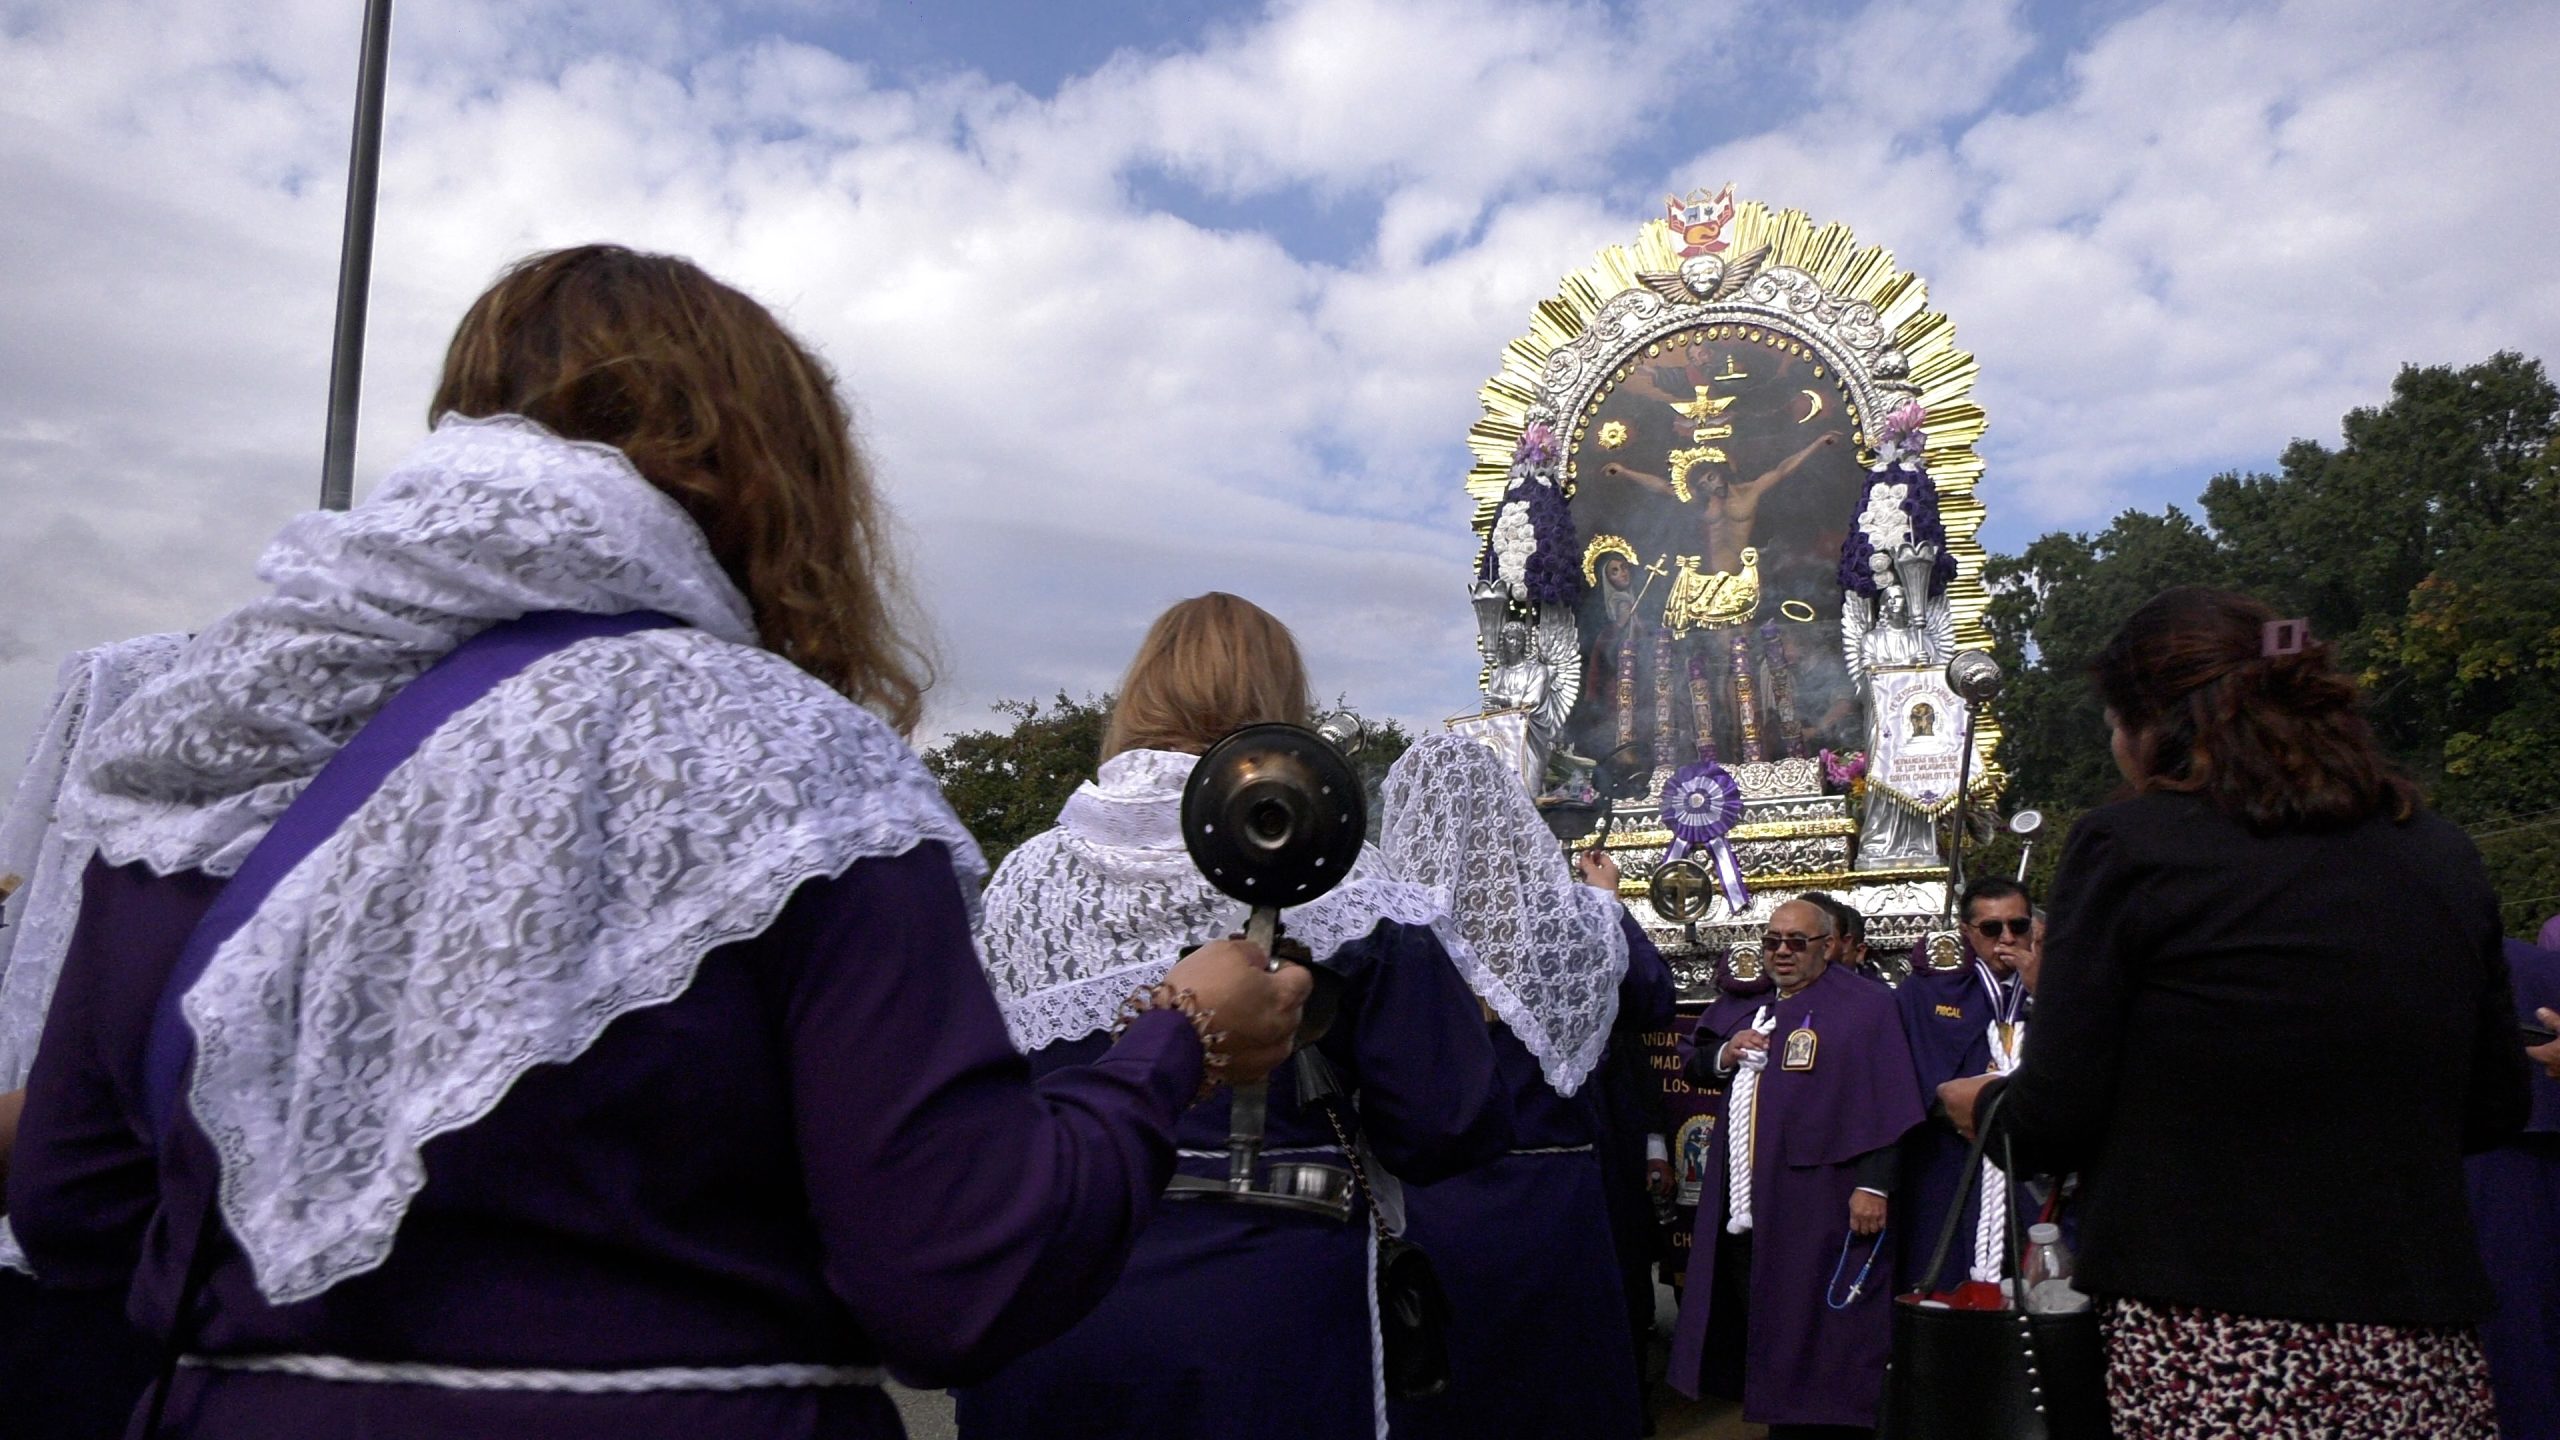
<point>2229,227</point>
<point>2217,232</point>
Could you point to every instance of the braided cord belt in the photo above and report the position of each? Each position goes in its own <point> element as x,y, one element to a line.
<point>572,1382</point>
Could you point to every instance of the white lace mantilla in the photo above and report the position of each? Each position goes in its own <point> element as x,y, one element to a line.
<point>1085,913</point>
<point>560,853</point>
<point>35,924</point>
<point>1544,952</point>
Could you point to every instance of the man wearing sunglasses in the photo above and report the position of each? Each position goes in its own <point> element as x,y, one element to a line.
<point>1792,1235</point>
<point>1964,1022</point>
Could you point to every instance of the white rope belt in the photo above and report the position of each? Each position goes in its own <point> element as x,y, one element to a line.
<point>1990,1226</point>
<point>1555,1150</point>
<point>1741,1127</point>
<point>573,1382</point>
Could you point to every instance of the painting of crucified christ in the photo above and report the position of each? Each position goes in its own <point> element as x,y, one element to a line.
<point>1726,459</point>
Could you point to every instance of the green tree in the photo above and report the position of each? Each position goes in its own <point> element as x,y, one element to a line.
<point>1007,785</point>
<point>1380,745</point>
<point>2426,546</point>
<point>2420,546</point>
<point>2052,610</point>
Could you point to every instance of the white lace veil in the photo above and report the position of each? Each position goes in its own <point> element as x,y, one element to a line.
<point>560,853</point>
<point>35,924</point>
<point>1083,914</point>
<point>1543,951</point>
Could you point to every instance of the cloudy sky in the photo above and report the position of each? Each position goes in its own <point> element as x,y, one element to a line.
<point>1143,298</point>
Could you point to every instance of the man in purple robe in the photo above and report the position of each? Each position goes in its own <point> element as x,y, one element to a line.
<point>2515,1204</point>
<point>1822,1089</point>
<point>1962,1022</point>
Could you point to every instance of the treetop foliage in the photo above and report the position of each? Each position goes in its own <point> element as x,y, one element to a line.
<point>1008,785</point>
<point>2426,546</point>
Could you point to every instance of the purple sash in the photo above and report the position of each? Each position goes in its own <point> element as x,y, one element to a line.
<point>395,732</point>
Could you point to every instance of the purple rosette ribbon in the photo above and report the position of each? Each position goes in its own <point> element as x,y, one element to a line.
<point>1701,806</point>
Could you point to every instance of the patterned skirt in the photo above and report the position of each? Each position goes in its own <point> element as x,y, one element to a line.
<point>2179,1373</point>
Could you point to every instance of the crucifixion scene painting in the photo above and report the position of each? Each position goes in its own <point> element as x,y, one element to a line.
<point>1713,487</point>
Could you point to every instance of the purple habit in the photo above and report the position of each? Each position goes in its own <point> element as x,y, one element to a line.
<point>1808,1363</point>
<point>1538,1339</point>
<point>1946,1018</point>
<point>2515,1203</point>
<point>1628,1095</point>
<point>824,1151</point>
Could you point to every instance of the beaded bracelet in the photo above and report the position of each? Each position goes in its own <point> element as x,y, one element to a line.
<point>1163,996</point>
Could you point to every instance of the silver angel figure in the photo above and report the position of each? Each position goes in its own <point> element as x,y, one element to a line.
<point>1902,626</point>
<point>1537,666</point>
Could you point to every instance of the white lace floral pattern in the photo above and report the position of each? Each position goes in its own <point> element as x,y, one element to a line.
<point>1543,951</point>
<point>35,925</point>
<point>560,853</point>
<point>486,521</point>
<point>1081,915</point>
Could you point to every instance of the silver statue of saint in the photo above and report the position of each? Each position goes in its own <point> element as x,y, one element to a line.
<point>1536,666</point>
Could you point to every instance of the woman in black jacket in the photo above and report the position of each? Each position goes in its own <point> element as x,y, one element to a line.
<point>2274,1020</point>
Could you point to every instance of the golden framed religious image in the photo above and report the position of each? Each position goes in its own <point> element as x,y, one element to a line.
<point>1724,490</point>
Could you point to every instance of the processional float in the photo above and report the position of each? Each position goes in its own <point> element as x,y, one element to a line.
<point>1728,595</point>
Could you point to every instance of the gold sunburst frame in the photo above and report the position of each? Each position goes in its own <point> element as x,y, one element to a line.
<point>1849,304</point>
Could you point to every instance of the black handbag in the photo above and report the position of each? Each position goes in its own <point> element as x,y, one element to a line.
<point>1991,1374</point>
<point>1413,1311</point>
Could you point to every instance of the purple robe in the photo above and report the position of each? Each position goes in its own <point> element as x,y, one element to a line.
<point>1526,1247</point>
<point>2515,1203</point>
<point>1946,1018</point>
<point>1630,1102</point>
<point>1234,1322</point>
<point>824,1151</point>
<point>1808,1363</point>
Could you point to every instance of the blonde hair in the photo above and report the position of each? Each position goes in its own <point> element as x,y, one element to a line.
<point>1211,664</point>
<point>720,407</point>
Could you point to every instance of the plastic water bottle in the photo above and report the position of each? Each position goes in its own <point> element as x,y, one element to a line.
<point>2048,1277</point>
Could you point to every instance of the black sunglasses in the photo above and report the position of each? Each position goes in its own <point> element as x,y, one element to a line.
<point>1776,941</point>
<point>2018,929</point>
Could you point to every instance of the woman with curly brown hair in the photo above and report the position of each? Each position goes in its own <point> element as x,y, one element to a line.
<point>2274,1021</point>
<point>526,988</point>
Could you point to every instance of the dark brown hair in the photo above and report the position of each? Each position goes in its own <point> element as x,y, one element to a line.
<point>2278,741</point>
<point>718,406</point>
<point>1211,664</point>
